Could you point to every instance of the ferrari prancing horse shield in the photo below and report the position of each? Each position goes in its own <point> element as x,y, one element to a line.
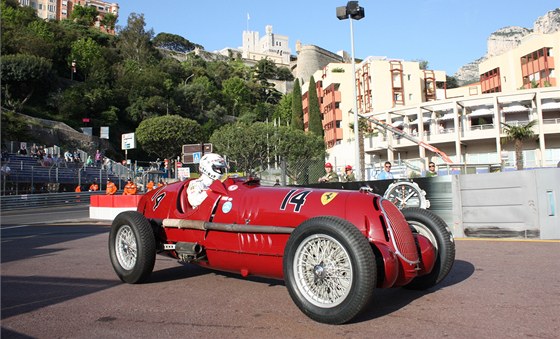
<point>328,197</point>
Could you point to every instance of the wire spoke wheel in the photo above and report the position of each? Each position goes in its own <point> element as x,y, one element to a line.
<point>323,270</point>
<point>329,268</point>
<point>126,247</point>
<point>132,247</point>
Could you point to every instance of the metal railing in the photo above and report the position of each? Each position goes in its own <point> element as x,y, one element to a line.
<point>12,202</point>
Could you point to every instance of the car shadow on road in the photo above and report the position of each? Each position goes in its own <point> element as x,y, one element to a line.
<point>184,271</point>
<point>387,301</point>
<point>179,272</point>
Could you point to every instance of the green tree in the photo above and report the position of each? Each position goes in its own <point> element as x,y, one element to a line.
<point>84,15</point>
<point>310,148</point>
<point>164,136</point>
<point>284,74</point>
<point>451,82</point>
<point>265,69</point>
<point>315,123</point>
<point>283,111</point>
<point>235,94</point>
<point>245,145</point>
<point>297,107</point>
<point>21,75</point>
<point>135,42</point>
<point>109,20</point>
<point>85,52</point>
<point>518,134</point>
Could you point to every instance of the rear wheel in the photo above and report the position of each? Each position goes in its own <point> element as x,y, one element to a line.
<point>329,269</point>
<point>132,247</point>
<point>431,226</point>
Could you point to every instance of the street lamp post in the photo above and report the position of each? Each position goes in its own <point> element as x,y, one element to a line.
<point>353,11</point>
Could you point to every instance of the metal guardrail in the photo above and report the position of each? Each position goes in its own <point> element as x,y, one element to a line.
<point>12,202</point>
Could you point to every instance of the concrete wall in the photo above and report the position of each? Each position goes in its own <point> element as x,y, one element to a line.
<point>521,204</point>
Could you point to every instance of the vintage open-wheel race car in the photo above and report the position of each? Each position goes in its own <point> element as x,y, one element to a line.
<point>332,248</point>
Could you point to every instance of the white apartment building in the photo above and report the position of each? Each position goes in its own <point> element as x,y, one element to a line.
<point>465,124</point>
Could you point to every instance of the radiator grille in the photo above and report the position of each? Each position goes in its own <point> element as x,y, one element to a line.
<point>403,239</point>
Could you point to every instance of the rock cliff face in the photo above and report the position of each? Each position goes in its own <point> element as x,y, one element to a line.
<point>506,39</point>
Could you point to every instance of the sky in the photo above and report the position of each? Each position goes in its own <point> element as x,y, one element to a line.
<point>446,33</point>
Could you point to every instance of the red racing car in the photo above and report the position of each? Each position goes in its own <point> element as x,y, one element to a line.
<point>331,247</point>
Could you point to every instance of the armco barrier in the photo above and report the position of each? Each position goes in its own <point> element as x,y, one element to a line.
<point>106,207</point>
<point>13,202</point>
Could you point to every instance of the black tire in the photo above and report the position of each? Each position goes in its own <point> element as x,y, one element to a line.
<point>329,269</point>
<point>132,247</point>
<point>435,229</point>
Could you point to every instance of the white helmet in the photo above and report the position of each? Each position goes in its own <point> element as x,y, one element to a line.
<point>212,165</point>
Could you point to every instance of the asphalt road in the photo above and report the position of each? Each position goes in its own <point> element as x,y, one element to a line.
<point>57,281</point>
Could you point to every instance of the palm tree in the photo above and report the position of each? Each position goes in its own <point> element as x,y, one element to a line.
<point>518,134</point>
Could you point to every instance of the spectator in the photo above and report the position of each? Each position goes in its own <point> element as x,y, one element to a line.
<point>386,172</point>
<point>130,187</point>
<point>348,174</point>
<point>111,187</point>
<point>68,156</point>
<point>22,150</point>
<point>94,187</point>
<point>98,158</point>
<point>330,175</point>
<point>107,165</point>
<point>34,151</point>
<point>431,170</point>
<point>89,161</point>
<point>77,158</point>
<point>161,183</point>
<point>277,183</point>
<point>150,185</point>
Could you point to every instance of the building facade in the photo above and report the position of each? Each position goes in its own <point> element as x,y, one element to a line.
<point>465,125</point>
<point>409,84</point>
<point>271,46</point>
<point>531,64</point>
<point>62,9</point>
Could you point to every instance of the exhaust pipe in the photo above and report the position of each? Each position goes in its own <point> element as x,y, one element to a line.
<point>189,251</point>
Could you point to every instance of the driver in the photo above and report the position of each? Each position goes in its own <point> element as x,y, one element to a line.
<point>211,167</point>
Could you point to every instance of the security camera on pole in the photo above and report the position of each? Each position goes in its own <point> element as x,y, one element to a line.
<point>353,11</point>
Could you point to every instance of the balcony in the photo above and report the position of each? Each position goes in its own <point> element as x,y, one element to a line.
<point>551,126</point>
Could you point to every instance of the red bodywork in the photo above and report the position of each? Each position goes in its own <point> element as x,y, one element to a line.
<point>243,227</point>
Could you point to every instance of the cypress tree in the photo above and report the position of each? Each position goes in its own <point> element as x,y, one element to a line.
<point>315,124</point>
<point>297,107</point>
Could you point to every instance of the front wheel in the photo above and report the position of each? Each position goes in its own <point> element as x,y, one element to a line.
<point>132,247</point>
<point>329,269</point>
<point>431,226</point>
